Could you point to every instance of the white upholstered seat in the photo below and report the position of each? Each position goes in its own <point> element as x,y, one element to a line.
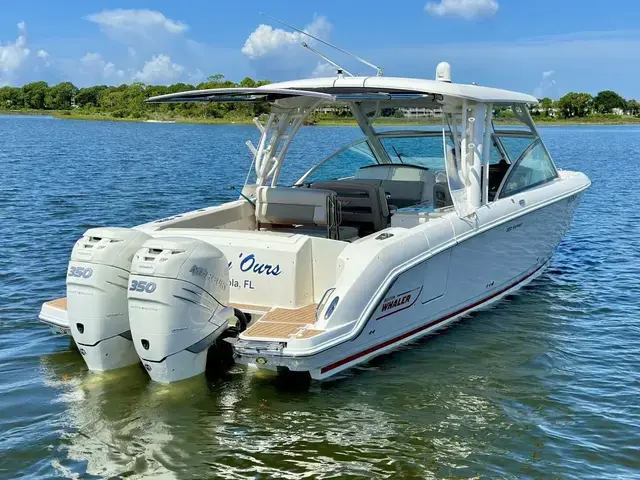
<point>304,211</point>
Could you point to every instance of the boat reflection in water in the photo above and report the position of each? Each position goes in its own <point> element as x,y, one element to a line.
<point>120,423</point>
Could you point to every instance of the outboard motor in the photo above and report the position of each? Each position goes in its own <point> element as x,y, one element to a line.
<point>97,283</point>
<point>178,294</point>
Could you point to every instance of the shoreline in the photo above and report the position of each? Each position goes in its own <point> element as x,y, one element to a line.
<point>65,115</point>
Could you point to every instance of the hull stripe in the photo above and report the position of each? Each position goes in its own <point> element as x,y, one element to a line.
<point>410,333</point>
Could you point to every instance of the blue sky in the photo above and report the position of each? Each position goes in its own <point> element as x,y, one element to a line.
<point>545,47</point>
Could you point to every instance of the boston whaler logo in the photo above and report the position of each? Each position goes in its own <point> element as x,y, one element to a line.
<point>396,303</point>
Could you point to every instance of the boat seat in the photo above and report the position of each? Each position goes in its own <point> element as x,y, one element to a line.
<point>362,205</point>
<point>441,194</point>
<point>401,193</point>
<point>497,171</point>
<point>295,210</point>
<point>345,233</point>
<point>404,185</point>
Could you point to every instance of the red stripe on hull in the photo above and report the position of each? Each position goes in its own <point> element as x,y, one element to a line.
<point>410,333</point>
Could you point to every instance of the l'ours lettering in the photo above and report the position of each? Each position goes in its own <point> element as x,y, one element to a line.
<point>249,264</point>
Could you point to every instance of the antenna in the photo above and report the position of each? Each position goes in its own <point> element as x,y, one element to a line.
<point>342,69</point>
<point>360,59</point>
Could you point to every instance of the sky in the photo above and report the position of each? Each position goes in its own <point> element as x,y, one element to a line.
<point>543,47</point>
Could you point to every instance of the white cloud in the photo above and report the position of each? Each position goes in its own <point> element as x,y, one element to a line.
<point>547,85</point>
<point>275,53</point>
<point>160,69</point>
<point>44,56</point>
<point>142,22</point>
<point>13,55</point>
<point>324,69</point>
<point>266,40</point>
<point>467,9</point>
<point>195,77</point>
<point>132,51</point>
<point>94,63</point>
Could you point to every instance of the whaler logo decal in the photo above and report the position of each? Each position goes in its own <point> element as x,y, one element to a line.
<point>396,303</point>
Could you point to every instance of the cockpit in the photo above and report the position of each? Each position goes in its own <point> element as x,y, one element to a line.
<point>390,177</point>
<point>371,189</point>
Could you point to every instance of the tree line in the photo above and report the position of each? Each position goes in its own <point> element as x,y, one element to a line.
<point>127,101</point>
<point>575,104</point>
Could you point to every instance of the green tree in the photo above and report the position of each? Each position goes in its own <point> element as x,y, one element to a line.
<point>179,87</point>
<point>11,98</point>
<point>248,82</point>
<point>575,105</point>
<point>545,106</point>
<point>215,78</point>
<point>88,97</point>
<point>35,94</point>
<point>61,96</point>
<point>607,100</point>
<point>634,107</point>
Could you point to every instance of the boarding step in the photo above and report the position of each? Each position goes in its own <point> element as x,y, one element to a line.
<point>54,314</point>
<point>285,324</point>
<point>245,307</point>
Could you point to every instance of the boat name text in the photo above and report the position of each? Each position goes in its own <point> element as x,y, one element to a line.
<point>249,264</point>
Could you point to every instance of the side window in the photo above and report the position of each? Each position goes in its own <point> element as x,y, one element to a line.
<point>496,156</point>
<point>343,164</point>
<point>515,146</point>
<point>534,169</point>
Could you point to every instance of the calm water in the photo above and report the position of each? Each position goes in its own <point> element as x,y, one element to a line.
<point>544,385</point>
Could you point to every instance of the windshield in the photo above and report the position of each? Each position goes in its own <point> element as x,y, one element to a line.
<point>342,164</point>
<point>407,148</point>
<point>421,151</point>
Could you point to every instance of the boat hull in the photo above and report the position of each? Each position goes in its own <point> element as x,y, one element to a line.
<point>471,275</point>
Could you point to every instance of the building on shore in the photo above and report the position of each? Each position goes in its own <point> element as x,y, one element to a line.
<point>408,112</point>
<point>421,112</point>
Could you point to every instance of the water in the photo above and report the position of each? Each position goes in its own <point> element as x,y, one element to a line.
<point>544,385</point>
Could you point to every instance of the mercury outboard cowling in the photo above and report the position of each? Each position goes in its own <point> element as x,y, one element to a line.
<point>97,283</point>
<point>178,293</point>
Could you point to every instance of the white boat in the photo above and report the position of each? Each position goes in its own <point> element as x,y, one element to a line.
<point>387,240</point>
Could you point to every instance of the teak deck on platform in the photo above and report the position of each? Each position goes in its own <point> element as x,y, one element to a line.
<point>277,324</point>
<point>285,324</point>
<point>59,303</point>
<point>246,306</point>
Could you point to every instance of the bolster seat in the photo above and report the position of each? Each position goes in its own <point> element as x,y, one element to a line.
<point>362,204</point>
<point>302,211</point>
